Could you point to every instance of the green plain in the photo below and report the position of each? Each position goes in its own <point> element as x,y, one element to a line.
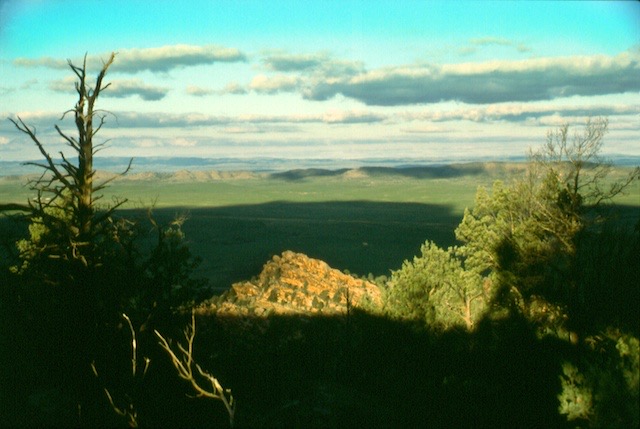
<point>368,222</point>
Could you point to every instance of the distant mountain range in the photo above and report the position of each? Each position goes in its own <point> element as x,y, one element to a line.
<point>174,164</point>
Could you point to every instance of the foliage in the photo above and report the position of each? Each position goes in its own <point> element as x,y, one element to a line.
<point>410,287</point>
<point>436,289</point>
<point>539,249</point>
<point>600,386</point>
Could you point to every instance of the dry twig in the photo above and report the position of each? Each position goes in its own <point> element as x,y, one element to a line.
<point>184,364</point>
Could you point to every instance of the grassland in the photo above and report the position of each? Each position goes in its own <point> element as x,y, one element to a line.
<point>366,221</point>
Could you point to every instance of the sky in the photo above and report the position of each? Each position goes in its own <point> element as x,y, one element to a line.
<point>424,80</point>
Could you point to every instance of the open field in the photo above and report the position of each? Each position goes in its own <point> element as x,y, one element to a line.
<point>366,221</point>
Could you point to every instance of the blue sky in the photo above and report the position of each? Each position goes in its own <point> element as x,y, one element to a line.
<point>324,79</point>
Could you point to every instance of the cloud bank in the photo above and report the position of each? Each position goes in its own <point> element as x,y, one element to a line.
<point>161,59</point>
<point>118,88</point>
<point>519,112</point>
<point>510,112</point>
<point>317,64</point>
<point>321,77</point>
<point>198,91</point>
<point>478,43</point>
<point>488,82</point>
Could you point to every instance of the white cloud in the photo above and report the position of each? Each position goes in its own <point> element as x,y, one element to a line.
<point>118,88</point>
<point>313,64</point>
<point>352,117</point>
<point>244,129</point>
<point>4,90</point>
<point>47,62</point>
<point>37,116</point>
<point>66,84</point>
<point>486,82</point>
<point>147,142</point>
<point>198,91</point>
<point>233,88</point>
<point>166,58</point>
<point>127,88</point>
<point>182,142</point>
<point>160,59</point>
<point>274,84</point>
<point>524,113</point>
<point>478,43</point>
<point>29,83</point>
<point>520,112</point>
<point>427,129</point>
<point>290,62</point>
<point>3,140</point>
<point>186,120</point>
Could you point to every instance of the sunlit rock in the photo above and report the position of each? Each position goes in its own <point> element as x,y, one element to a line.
<point>293,283</point>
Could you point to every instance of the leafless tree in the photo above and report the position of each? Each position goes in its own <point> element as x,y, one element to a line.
<point>67,186</point>
<point>578,166</point>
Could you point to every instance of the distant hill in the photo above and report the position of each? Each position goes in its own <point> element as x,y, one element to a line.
<point>291,168</point>
<point>255,165</point>
<point>416,172</point>
<point>492,169</point>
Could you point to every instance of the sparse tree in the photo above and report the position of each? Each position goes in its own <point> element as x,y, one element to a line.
<point>66,195</point>
<point>82,267</point>
<point>576,164</point>
<point>72,267</point>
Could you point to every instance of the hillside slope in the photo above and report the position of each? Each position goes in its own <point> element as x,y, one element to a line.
<point>291,284</point>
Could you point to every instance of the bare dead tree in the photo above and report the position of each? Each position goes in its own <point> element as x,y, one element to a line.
<point>67,186</point>
<point>577,164</point>
<point>184,363</point>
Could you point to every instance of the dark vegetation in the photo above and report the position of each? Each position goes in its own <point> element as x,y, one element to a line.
<point>529,319</point>
<point>361,236</point>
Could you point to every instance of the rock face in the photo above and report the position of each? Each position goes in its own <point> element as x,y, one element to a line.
<point>293,283</point>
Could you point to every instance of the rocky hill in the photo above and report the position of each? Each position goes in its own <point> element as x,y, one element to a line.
<point>293,283</point>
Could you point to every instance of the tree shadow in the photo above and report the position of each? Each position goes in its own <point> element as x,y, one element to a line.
<point>429,172</point>
<point>361,236</point>
<point>417,172</point>
<point>361,370</point>
<point>354,370</point>
<point>306,173</point>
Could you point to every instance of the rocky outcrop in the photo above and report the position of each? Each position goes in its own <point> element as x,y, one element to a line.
<point>293,283</point>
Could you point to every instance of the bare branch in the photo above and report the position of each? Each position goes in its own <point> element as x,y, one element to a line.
<point>70,140</point>
<point>183,362</point>
<point>128,411</point>
<point>50,164</point>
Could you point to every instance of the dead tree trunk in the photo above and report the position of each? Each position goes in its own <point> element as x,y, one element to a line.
<point>84,114</point>
<point>69,186</point>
